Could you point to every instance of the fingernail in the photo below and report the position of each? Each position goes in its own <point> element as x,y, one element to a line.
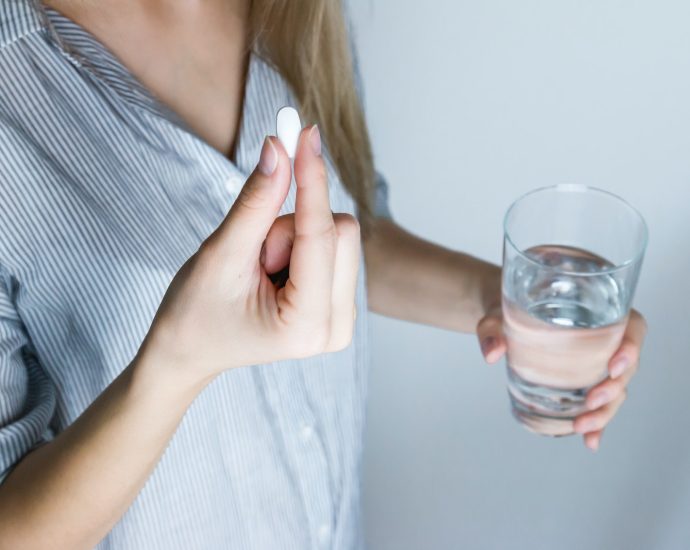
<point>593,445</point>
<point>488,344</point>
<point>598,400</point>
<point>584,427</point>
<point>619,367</point>
<point>268,160</point>
<point>315,140</point>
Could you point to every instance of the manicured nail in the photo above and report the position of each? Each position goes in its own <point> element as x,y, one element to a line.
<point>619,367</point>
<point>268,160</point>
<point>593,444</point>
<point>315,140</point>
<point>488,344</point>
<point>600,399</point>
<point>584,427</point>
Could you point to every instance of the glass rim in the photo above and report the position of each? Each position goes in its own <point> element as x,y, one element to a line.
<point>580,188</point>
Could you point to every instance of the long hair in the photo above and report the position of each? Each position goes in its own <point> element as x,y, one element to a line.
<point>307,41</point>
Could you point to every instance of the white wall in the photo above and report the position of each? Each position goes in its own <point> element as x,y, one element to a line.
<point>509,96</point>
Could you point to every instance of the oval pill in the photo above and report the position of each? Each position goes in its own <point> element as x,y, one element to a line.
<point>288,127</point>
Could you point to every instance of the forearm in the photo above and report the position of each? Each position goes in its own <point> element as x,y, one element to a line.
<point>68,493</point>
<point>416,280</point>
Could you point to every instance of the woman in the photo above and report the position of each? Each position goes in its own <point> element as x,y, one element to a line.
<point>130,295</point>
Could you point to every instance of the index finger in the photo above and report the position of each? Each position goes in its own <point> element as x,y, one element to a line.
<point>313,215</point>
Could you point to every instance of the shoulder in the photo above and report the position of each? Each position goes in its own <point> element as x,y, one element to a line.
<point>28,90</point>
<point>25,101</point>
<point>18,18</point>
<point>22,52</point>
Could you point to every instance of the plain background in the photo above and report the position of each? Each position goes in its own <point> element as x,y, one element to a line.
<point>470,104</point>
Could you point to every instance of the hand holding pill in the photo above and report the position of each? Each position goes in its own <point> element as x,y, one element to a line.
<point>223,309</point>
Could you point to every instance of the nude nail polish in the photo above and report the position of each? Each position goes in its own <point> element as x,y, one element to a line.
<point>315,140</point>
<point>619,367</point>
<point>268,160</point>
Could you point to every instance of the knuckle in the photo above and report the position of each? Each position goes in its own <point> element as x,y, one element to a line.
<point>342,338</point>
<point>323,231</point>
<point>601,418</point>
<point>589,422</point>
<point>285,220</point>
<point>346,225</point>
<point>617,386</point>
<point>341,342</point>
<point>600,422</point>
<point>489,323</point>
<point>329,231</point>
<point>318,342</point>
<point>311,340</point>
<point>327,238</point>
<point>253,197</point>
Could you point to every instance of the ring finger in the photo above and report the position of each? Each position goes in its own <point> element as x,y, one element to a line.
<point>345,271</point>
<point>597,419</point>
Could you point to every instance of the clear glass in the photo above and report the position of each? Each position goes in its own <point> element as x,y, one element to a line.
<point>571,260</point>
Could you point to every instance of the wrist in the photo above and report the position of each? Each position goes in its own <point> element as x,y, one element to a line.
<point>155,370</point>
<point>491,289</point>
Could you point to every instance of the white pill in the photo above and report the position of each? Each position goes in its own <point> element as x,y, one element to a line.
<point>288,127</point>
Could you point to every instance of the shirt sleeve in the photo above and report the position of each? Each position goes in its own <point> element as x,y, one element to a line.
<point>381,208</point>
<point>27,396</point>
<point>381,190</point>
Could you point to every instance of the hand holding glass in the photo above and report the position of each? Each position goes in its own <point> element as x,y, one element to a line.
<point>571,260</point>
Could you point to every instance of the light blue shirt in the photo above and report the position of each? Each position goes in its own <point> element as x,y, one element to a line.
<point>104,193</point>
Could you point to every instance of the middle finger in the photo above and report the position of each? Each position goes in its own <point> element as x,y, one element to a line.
<point>610,388</point>
<point>596,420</point>
<point>313,252</point>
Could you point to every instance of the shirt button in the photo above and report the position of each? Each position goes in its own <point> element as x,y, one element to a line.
<point>324,534</point>
<point>233,184</point>
<point>306,432</point>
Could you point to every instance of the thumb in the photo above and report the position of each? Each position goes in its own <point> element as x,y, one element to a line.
<point>490,334</point>
<point>256,207</point>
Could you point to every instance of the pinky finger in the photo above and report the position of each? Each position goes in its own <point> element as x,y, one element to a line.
<point>592,440</point>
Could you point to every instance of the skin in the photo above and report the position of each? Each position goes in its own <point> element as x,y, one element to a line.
<point>68,493</point>
<point>192,54</point>
<point>416,280</point>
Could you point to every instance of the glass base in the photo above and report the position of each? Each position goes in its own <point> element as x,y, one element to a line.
<point>545,410</point>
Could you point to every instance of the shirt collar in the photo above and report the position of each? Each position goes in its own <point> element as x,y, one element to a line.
<point>265,90</point>
<point>18,18</point>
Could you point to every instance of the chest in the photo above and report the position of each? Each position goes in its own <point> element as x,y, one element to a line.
<point>98,224</point>
<point>192,58</point>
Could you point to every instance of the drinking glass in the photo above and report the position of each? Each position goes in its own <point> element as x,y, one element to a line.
<point>571,261</point>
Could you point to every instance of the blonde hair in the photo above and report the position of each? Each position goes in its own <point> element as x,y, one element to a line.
<point>307,41</point>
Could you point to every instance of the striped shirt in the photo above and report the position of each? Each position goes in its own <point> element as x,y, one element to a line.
<point>104,193</point>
